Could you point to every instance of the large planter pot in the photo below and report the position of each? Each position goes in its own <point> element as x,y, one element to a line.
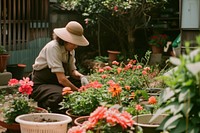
<point>3,61</point>
<point>112,55</point>
<point>68,112</point>
<point>80,120</point>
<point>43,123</point>
<point>143,122</point>
<point>17,70</point>
<point>15,127</point>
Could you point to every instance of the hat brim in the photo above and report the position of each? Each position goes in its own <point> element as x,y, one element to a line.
<point>69,37</point>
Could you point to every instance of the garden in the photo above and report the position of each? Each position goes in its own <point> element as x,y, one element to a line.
<point>130,96</point>
<point>125,94</point>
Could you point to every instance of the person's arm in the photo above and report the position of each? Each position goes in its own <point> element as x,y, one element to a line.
<point>77,75</point>
<point>64,81</point>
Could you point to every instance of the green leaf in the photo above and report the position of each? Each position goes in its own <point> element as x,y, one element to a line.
<point>184,94</point>
<point>187,108</point>
<point>161,111</point>
<point>175,61</point>
<point>179,127</point>
<point>172,121</point>
<point>194,68</point>
<point>166,95</point>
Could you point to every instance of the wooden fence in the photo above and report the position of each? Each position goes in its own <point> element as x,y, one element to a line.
<point>22,21</point>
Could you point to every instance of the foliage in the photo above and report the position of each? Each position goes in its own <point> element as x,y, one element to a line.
<point>122,83</point>
<point>2,50</point>
<point>84,102</point>
<point>122,17</point>
<point>107,120</point>
<point>182,98</point>
<point>17,104</point>
<point>159,40</point>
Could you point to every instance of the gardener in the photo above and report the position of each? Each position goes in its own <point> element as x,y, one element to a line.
<point>54,68</point>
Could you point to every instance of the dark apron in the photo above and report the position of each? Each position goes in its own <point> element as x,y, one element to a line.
<point>46,90</point>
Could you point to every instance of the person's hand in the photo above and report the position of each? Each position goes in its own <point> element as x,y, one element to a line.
<point>84,80</point>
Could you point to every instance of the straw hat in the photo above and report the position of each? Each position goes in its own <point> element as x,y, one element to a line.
<point>73,33</point>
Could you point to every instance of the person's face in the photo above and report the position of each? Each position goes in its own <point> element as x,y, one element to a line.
<point>69,46</point>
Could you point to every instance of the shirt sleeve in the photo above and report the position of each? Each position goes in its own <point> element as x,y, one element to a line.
<point>54,58</point>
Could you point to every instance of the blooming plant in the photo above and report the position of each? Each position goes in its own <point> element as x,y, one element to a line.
<point>19,103</point>
<point>158,40</point>
<point>107,120</point>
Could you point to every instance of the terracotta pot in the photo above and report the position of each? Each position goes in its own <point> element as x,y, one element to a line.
<point>112,55</point>
<point>80,120</point>
<point>68,112</point>
<point>156,50</point>
<point>143,122</point>
<point>3,61</point>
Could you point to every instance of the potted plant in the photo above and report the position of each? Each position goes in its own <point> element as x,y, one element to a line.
<point>158,42</point>
<point>4,56</point>
<point>182,98</point>
<point>17,103</point>
<point>108,120</point>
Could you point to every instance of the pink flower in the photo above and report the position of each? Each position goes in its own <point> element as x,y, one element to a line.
<point>77,129</point>
<point>144,72</point>
<point>25,85</point>
<point>13,82</point>
<point>99,113</point>
<point>104,76</point>
<point>138,107</point>
<point>126,119</point>
<point>113,116</point>
<point>107,68</point>
<point>101,70</point>
<point>139,67</point>
<point>115,63</point>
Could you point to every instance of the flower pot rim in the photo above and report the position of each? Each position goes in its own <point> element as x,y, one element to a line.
<point>26,122</point>
<point>113,51</point>
<point>76,121</point>
<point>146,125</point>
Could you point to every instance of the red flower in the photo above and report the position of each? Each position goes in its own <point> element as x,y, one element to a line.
<point>13,82</point>
<point>98,114</point>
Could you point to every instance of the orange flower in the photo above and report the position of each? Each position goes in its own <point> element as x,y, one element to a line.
<point>66,90</point>
<point>119,69</point>
<point>127,87</point>
<point>152,100</point>
<point>115,89</point>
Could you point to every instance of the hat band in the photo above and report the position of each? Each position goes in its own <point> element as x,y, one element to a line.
<point>78,33</point>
